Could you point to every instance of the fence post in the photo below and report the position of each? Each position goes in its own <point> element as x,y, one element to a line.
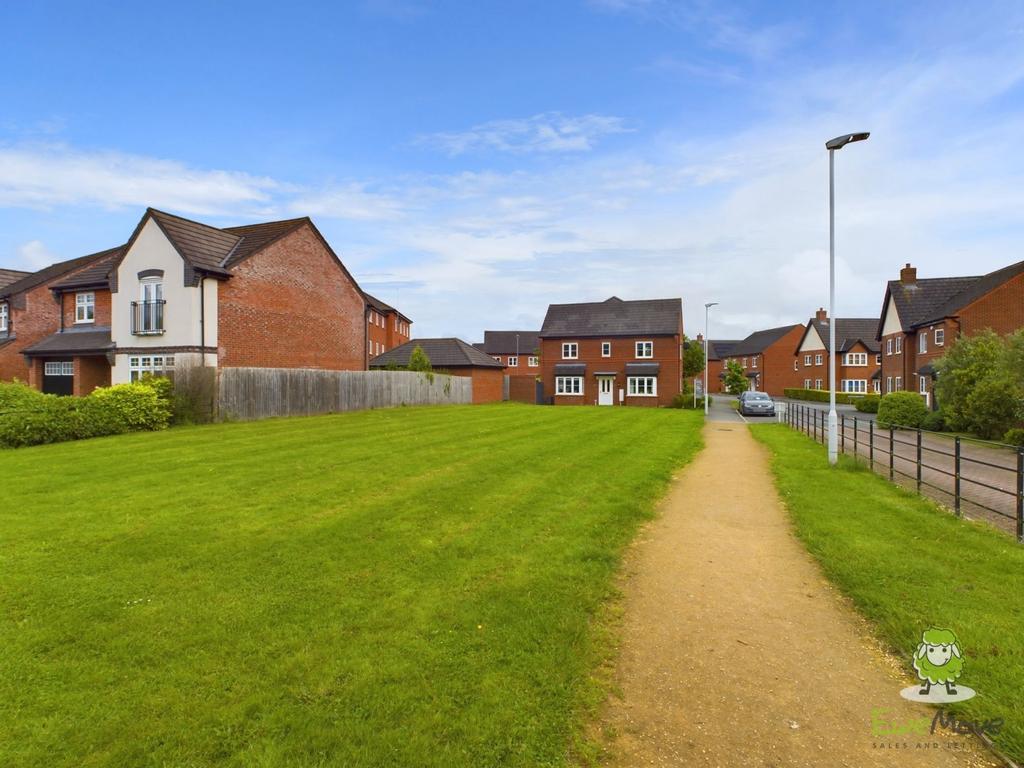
<point>855,438</point>
<point>892,444</point>
<point>842,433</point>
<point>919,460</point>
<point>1020,495</point>
<point>956,476</point>
<point>871,444</point>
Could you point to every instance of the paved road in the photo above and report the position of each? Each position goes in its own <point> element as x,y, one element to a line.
<point>736,650</point>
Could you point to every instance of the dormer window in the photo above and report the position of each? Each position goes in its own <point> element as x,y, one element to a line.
<point>85,307</point>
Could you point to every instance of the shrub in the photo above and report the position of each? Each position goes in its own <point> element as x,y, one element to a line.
<point>935,421</point>
<point>902,409</point>
<point>821,395</point>
<point>32,418</point>
<point>868,404</point>
<point>1014,436</point>
<point>735,380</point>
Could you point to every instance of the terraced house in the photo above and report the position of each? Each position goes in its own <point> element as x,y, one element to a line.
<point>613,352</point>
<point>183,293</point>
<point>386,327</point>
<point>856,357</point>
<point>518,351</point>
<point>920,317</point>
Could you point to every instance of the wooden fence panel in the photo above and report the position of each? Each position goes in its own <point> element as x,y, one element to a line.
<point>260,393</point>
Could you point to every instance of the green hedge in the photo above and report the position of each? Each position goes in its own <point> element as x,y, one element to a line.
<point>28,417</point>
<point>821,395</point>
<point>902,409</point>
<point>868,403</point>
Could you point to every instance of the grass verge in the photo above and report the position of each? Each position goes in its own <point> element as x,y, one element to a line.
<point>399,587</point>
<point>909,565</point>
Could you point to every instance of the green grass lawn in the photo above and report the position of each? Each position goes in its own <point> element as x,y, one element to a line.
<point>909,565</point>
<point>416,586</point>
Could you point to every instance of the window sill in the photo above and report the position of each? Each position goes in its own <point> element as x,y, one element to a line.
<point>85,322</point>
<point>148,333</point>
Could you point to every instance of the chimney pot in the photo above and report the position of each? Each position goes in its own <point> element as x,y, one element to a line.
<point>700,337</point>
<point>908,275</point>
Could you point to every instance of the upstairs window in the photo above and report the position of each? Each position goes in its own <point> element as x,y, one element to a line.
<point>645,349</point>
<point>856,358</point>
<point>818,359</point>
<point>570,350</point>
<point>606,349</point>
<point>922,342</point>
<point>533,362</point>
<point>3,317</point>
<point>940,337</point>
<point>888,346</point>
<point>878,359</point>
<point>85,307</point>
<point>513,361</point>
<point>899,345</point>
<point>807,359</point>
<point>753,362</point>
<point>148,314</point>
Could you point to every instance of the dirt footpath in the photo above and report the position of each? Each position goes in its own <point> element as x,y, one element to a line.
<point>736,650</point>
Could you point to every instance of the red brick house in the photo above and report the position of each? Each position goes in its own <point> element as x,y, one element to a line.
<point>856,357</point>
<point>386,327</point>
<point>29,314</point>
<point>613,352</point>
<point>518,351</point>
<point>184,293</point>
<point>718,353</point>
<point>920,317</point>
<point>767,358</point>
<point>456,358</point>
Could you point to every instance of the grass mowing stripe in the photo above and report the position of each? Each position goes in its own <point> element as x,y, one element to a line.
<point>909,565</point>
<point>414,586</point>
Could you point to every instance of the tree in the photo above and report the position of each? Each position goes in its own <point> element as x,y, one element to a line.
<point>418,361</point>
<point>735,379</point>
<point>693,358</point>
<point>980,383</point>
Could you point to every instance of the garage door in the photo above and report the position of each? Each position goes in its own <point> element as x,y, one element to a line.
<point>58,377</point>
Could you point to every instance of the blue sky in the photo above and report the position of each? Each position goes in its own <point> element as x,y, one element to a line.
<point>474,162</point>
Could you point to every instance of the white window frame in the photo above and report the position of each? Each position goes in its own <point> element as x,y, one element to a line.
<point>858,386</point>
<point>940,337</point>
<point>899,383</point>
<point>570,350</point>
<point>888,384</point>
<point>85,307</point>
<point>855,359</point>
<point>876,385</point>
<point>569,386</point>
<point>744,362</point>
<point>4,317</point>
<point>922,385</point>
<point>888,346</point>
<point>606,349</point>
<point>922,343</point>
<point>819,359</point>
<point>532,361</point>
<point>796,365</point>
<point>807,359</point>
<point>513,361</point>
<point>878,359</point>
<point>643,347</point>
<point>807,383</point>
<point>497,358</point>
<point>753,362</point>
<point>817,384</point>
<point>899,345</point>
<point>642,386</point>
<point>157,365</point>
<point>58,368</point>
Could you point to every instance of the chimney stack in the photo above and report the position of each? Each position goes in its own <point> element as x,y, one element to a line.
<point>700,337</point>
<point>908,275</point>
<point>821,315</point>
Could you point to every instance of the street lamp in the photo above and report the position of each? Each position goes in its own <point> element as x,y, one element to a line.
<point>707,340</point>
<point>833,420</point>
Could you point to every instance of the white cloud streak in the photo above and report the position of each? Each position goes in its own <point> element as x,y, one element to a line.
<point>548,132</point>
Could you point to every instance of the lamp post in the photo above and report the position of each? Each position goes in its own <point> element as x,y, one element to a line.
<point>707,340</point>
<point>833,421</point>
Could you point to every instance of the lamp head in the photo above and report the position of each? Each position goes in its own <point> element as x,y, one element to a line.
<point>841,141</point>
<point>711,304</point>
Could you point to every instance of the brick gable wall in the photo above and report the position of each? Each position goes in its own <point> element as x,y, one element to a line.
<point>292,306</point>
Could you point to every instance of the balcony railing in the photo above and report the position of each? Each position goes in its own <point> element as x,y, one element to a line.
<point>148,318</point>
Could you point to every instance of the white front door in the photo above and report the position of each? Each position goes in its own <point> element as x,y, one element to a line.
<point>605,389</point>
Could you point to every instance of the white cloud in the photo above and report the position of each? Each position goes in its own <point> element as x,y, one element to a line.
<point>35,255</point>
<point>48,175</point>
<point>346,201</point>
<point>547,132</point>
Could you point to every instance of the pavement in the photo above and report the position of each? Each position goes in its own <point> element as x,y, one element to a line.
<point>736,649</point>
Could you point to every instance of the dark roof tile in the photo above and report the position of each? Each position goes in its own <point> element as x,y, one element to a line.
<point>52,272</point>
<point>759,341</point>
<point>511,342</point>
<point>8,276</point>
<point>849,330</point>
<point>614,317</point>
<point>443,353</point>
<point>96,340</point>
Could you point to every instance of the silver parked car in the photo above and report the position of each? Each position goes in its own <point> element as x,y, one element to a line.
<point>756,404</point>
